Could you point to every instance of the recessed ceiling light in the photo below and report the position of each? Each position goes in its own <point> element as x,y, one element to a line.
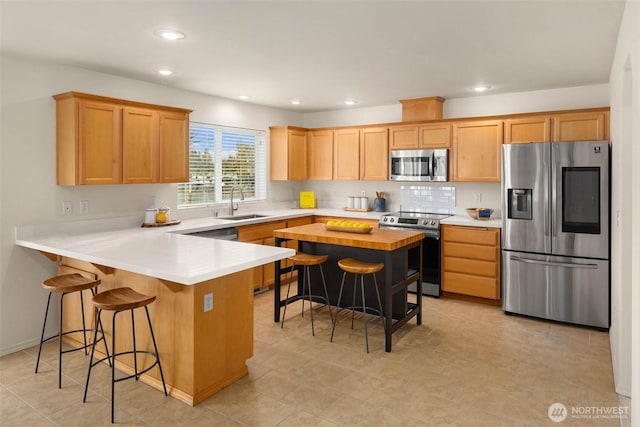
<point>243,97</point>
<point>481,88</point>
<point>168,34</point>
<point>350,102</point>
<point>165,72</point>
<point>295,101</point>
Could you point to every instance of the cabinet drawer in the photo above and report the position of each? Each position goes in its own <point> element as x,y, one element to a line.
<point>259,231</point>
<point>463,250</point>
<point>470,266</point>
<point>479,236</point>
<point>483,287</point>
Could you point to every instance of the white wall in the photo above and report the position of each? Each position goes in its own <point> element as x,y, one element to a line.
<point>625,244</point>
<point>29,194</point>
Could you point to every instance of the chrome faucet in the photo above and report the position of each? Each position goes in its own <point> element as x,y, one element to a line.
<point>231,208</point>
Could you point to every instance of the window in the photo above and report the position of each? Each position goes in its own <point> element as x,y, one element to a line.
<point>221,158</point>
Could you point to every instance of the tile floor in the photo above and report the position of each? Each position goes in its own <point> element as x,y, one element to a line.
<point>466,365</point>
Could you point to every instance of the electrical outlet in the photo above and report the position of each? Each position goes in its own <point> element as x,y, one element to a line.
<point>208,302</point>
<point>478,197</point>
<point>67,207</point>
<point>84,207</point>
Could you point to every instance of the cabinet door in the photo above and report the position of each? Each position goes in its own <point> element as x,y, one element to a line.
<point>297,159</point>
<point>529,129</point>
<point>434,136</point>
<point>374,154</point>
<point>100,143</point>
<point>403,137</point>
<point>579,127</point>
<point>174,147</point>
<point>476,151</point>
<point>139,146</point>
<point>346,154</point>
<point>268,270</point>
<point>320,155</point>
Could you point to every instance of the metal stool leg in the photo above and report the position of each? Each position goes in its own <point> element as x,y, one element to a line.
<point>353,303</point>
<point>308,277</point>
<point>113,365</point>
<point>364,312</point>
<point>84,327</point>
<point>44,325</point>
<point>284,314</point>
<point>93,349</point>
<point>338,307</point>
<point>60,341</point>
<point>155,347</point>
<point>135,354</point>
<point>326,294</point>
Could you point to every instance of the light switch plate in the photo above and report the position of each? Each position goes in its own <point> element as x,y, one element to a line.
<point>84,207</point>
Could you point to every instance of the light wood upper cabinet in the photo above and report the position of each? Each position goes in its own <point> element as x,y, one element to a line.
<point>587,126</point>
<point>346,154</point>
<point>437,135</point>
<point>477,151</point>
<point>374,154</point>
<point>288,153</point>
<point>102,140</point>
<point>411,137</point>
<point>89,149</point>
<point>320,155</point>
<point>528,129</point>
<point>174,147</point>
<point>403,137</point>
<point>140,146</point>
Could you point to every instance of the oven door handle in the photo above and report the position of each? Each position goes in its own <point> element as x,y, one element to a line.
<point>433,234</point>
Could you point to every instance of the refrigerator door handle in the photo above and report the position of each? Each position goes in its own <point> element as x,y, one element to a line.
<point>554,264</point>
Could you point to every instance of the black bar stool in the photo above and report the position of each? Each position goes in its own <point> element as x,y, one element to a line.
<point>62,286</point>
<point>307,260</point>
<point>117,300</point>
<point>359,268</point>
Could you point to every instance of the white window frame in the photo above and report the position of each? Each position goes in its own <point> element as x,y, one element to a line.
<point>220,182</point>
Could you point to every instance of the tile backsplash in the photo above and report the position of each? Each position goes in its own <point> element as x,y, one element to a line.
<point>421,198</point>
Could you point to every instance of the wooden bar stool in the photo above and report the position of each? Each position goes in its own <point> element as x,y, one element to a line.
<point>307,260</point>
<point>359,268</point>
<point>118,300</point>
<point>62,286</point>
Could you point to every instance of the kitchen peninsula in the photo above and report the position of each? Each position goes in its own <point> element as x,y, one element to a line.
<point>203,314</point>
<point>381,245</point>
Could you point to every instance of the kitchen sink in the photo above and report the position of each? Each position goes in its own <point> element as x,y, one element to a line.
<point>241,217</point>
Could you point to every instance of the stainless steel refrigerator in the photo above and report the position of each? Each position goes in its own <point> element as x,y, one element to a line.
<point>555,231</point>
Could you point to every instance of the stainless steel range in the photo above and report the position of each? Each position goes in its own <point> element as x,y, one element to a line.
<point>429,223</point>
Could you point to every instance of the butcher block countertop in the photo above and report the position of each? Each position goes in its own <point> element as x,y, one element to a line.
<point>379,238</point>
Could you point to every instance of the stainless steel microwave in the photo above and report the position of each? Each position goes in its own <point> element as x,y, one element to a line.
<point>419,165</point>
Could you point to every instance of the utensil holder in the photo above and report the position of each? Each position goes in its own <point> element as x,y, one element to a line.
<point>379,204</point>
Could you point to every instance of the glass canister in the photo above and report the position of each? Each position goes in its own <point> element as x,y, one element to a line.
<point>163,215</point>
<point>150,216</point>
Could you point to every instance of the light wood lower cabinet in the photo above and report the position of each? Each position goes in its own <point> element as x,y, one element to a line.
<point>471,261</point>
<point>262,234</point>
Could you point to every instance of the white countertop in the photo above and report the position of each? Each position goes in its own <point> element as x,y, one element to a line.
<point>167,252</point>
<point>467,221</point>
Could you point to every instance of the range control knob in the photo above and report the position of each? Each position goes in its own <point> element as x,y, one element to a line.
<point>433,222</point>
<point>384,219</point>
<point>392,220</point>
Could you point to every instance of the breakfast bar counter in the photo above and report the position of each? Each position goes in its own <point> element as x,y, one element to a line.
<point>203,313</point>
<point>380,245</point>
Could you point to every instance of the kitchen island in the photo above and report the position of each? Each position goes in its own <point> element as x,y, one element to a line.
<point>203,314</point>
<point>392,247</point>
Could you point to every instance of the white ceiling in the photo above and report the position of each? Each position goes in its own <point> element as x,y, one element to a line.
<point>323,52</point>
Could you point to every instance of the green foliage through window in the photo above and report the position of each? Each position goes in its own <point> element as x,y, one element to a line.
<point>221,158</point>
